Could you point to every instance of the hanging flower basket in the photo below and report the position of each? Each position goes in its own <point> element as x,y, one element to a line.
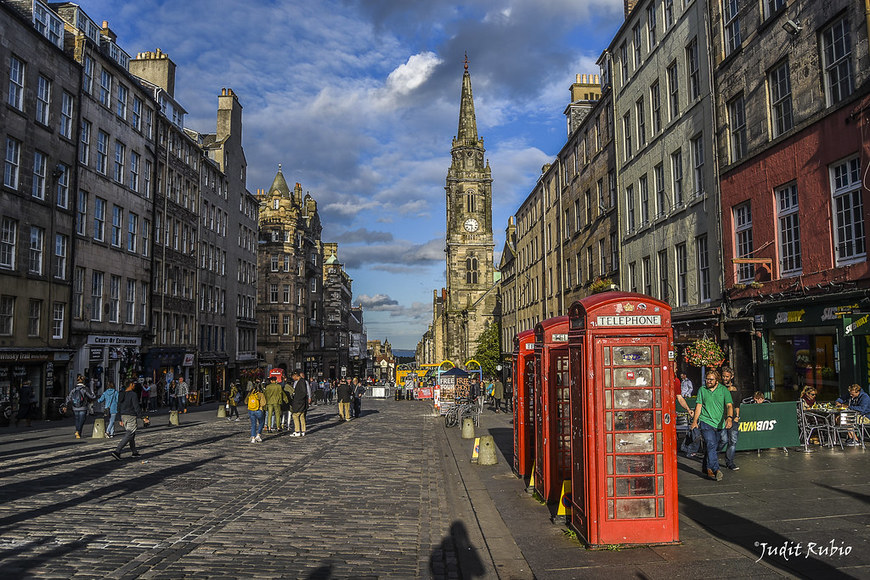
<point>704,353</point>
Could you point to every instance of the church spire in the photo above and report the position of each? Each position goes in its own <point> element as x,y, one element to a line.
<point>467,123</point>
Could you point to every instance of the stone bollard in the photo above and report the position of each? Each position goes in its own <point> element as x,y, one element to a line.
<point>487,454</point>
<point>173,417</point>
<point>468,428</point>
<point>99,428</point>
<point>222,411</point>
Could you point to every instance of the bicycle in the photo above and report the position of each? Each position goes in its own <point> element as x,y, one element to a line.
<point>459,411</point>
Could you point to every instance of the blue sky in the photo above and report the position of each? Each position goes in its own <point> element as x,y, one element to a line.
<point>358,100</point>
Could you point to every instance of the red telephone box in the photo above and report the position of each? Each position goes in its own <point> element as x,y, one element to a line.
<point>524,406</point>
<point>552,408</point>
<point>624,466</point>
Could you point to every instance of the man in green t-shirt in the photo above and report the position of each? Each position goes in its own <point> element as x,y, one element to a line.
<point>713,412</point>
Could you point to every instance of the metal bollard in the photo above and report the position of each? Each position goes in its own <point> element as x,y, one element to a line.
<point>99,428</point>
<point>487,454</point>
<point>468,428</point>
<point>173,417</point>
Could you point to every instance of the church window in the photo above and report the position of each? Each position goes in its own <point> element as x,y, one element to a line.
<point>471,274</point>
<point>470,202</point>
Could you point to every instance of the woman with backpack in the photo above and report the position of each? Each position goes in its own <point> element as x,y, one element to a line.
<point>78,399</point>
<point>232,402</point>
<point>256,402</point>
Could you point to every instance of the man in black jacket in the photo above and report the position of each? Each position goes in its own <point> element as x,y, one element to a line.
<point>299,404</point>
<point>128,407</point>
<point>344,396</point>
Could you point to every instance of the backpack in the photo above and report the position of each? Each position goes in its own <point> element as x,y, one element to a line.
<point>254,402</point>
<point>77,398</point>
<point>238,398</point>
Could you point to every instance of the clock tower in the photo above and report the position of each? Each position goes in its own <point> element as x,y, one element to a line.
<point>471,297</point>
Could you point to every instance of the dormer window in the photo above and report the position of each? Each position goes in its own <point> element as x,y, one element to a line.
<point>276,203</point>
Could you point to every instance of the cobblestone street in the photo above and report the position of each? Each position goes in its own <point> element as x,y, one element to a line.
<point>363,499</point>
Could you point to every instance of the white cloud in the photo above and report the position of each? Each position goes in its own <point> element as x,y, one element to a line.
<point>407,77</point>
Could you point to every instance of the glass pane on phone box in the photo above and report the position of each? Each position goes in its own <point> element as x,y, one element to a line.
<point>633,377</point>
<point>634,442</point>
<point>635,508</point>
<point>634,464</point>
<point>633,399</point>
<point>631,355</point>
<point>629,486</point>
<point>633,421</point>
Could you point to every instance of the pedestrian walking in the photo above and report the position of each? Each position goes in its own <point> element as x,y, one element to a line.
<point>25,402</point>
<point>182,391</point>
<point>256,403</point>
<point>233,402</point>
<point>299,404</point>
<point>713,413</point>
<point>731,434</point>
<point>344,397</point>
<point>497,394</point>
<point>171,395</point>
<point>275,397</point>
<point>109,399</point>
<point>359,390</point>
<point>77,399</point>
<point>128,405</point>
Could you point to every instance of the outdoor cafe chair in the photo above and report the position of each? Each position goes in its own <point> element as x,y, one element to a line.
<point>849,424</point>
<point>815,425</point>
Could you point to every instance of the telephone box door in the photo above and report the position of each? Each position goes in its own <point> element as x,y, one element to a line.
<point>637,470</point>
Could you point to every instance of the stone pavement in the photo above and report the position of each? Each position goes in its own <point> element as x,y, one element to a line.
<point>390,495</point>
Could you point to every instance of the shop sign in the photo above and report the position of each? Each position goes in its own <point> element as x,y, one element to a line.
<point>22,356</point>
<point>19,371</point>
<point>637,320</point>
<point>790,316</point>
<point>115,340</point>
<point>857,324</point>
<point>188,360</point>
<point>96,353</point>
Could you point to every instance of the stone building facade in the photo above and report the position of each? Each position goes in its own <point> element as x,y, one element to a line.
<point>792,125</point>
<point>658,73</point>
<point>114,207</point>
<point>39,131</point>
<point>290,279</point>
<point>337,295</point>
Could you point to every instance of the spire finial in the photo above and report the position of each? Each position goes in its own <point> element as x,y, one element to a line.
<point>279,167</point>
<point>466,60</point>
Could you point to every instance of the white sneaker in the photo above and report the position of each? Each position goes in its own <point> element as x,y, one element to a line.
<point>297,434</point>
<point>258,439</point>
<point>253,439</point>
<point>303,433</point>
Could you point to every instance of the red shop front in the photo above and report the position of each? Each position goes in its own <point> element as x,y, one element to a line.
<point>624,468</point>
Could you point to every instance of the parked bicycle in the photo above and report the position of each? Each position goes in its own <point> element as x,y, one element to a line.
<point>460,410</point>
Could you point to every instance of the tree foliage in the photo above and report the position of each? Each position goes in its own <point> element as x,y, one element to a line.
<point>488,353</point>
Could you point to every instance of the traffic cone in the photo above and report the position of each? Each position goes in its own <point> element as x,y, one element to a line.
<point>565,500</point>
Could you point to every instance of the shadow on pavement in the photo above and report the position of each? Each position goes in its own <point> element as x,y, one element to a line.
<point>322,573</point>
<point>91,472</point>
<point>859,496</point>
<point>104,493</point>
<point>19,560</point>
<point>751,537</point>
<point>455,557</point>
<point>504,440</point>
<point>43,463</point>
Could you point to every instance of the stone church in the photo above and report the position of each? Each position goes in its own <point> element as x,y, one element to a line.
<point>463,310</point>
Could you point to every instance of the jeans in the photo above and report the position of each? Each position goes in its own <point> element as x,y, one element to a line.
<point>81,416</point>
<point>110,427</point>
<point>712,437</point>
<point>257,420</point>
<point>729,440</point>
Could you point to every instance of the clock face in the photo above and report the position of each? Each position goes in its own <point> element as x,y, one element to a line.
<point>471,225</point>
